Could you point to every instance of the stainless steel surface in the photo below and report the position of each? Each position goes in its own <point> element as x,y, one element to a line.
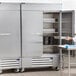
<point>69,67</point>
<point>10,63</point>
<point>31,30</point>
<point>60,42</point>
<point>32,27</point>
<point>46,60</point>
<point>9,6</point>
<point>9,32</point>
<point>9,36</point>
<point>42,7</point>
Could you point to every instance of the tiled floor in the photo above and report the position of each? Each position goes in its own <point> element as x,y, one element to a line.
<point>41,73</point>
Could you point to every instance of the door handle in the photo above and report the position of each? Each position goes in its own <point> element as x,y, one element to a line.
<point>38,34</point>
<point>5,34</point>
<point>37,41</point>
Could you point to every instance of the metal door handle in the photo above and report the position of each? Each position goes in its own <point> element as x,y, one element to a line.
<point>38,34</point>
<point>5,34</point>
<point>37,42</point>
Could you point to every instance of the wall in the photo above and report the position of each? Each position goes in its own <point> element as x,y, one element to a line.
<point>33,1</point>
<point>68,4</point>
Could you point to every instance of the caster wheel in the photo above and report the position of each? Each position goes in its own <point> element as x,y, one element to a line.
<point>22,70</point>
<point>17,70</point>
<point>57,68</point>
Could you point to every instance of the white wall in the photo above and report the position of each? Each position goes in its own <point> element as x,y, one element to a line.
<point>69,5</point>
<point>33,1</point>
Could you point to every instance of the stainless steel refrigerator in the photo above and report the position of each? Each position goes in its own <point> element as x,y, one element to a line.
<point>33,55</point>
<point>9,36</point>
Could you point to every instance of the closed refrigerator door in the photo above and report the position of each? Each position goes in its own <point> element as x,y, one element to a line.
<point>32,41</point>
<point>9,31</point>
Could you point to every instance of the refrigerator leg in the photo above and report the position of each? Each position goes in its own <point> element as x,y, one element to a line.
<point>17,70</point>
<point>22,70</point>
<point>0,71</point>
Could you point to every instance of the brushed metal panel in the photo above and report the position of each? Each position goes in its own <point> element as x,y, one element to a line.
<point>26,62</point>
<point>9,34</point>
<point>42,7</point>
<point>32,41</point>
<point>10,6</point>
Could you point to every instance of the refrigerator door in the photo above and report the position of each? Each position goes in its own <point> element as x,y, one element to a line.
<point>9,31</point>
<point>32,40</point>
